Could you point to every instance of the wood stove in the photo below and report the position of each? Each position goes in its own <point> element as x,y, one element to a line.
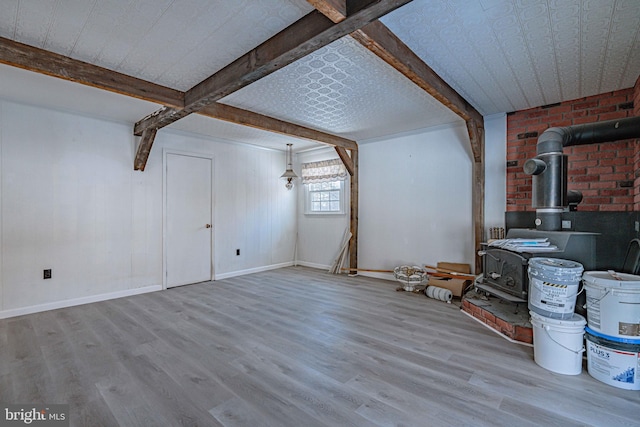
<point>506,272</point>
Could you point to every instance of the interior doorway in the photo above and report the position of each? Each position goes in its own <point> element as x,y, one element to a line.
<point>188,218</point>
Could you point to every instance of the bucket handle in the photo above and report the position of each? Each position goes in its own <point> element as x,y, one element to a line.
<point>580,286</point>
<point>600,299</point>
<point>582,350</point>
<point>612,274</point>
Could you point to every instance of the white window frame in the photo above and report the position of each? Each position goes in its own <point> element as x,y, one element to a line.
<point>307,203</point>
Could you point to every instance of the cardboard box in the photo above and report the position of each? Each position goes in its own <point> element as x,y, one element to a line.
<point>455,285</point>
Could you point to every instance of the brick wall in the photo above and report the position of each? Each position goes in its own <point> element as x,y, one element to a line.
<point>604,173</point>
<point>636,163</point>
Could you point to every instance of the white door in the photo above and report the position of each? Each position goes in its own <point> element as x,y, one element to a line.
<point>188,219</point>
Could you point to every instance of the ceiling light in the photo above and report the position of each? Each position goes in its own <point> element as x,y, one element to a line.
<point>289,174</point>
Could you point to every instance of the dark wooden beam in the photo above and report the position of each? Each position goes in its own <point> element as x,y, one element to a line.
<point>44,62</point>
<point>476,133</point>
<point>351,164</point>
<point>380,40</point>
<point>346,160</point>
<point>354,202</point>
<point>308,34</point>
<point>336,10</point>
<point>259,121</point>
<point>144,148</point>
<point>387,46</point>
<point>475,129</point>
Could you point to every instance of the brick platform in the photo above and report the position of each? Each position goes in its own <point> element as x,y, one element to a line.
<point>508,319</point>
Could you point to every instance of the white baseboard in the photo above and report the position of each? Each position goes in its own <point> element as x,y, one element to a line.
<point>313,265</point>
<point>253,270</point>
<point>375,275</point>
<point>5,314</point>
<point>76,301</point>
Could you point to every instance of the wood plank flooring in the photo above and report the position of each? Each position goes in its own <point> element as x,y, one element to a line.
<point>290,347</point>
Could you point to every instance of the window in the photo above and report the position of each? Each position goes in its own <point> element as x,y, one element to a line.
<point>324,187</point>
<point>325,197</point>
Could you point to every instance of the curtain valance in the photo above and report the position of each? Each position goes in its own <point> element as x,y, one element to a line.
<point>324,171</point>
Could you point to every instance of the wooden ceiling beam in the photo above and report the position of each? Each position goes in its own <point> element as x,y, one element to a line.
<point>346,160</point>
<point>308,34</point>
<point>144,148</point>
<point>44,62</point>
<point>387,46</point>
<point>381,41</point>
<point>259,121</point>
<point>336,10</point>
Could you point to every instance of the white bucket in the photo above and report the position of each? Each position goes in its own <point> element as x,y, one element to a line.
<point>613,303</point>
<point>553,286</point>
<point>614,361</point>
<point>558,343</point>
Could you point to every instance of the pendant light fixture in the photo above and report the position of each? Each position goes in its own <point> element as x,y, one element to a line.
<point>289,174</point>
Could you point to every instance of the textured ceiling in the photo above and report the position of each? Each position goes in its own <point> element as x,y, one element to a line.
<point>175,43</point>
<point>504,55</point>
<point>345,89</point>
<point>500,55</point>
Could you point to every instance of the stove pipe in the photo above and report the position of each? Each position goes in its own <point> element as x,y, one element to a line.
<point>549,168</point>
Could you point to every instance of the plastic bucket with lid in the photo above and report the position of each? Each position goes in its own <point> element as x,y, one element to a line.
<point>553,286</point>
<point>612,360</point>
<point>613,303</point>
<point>558,343</point>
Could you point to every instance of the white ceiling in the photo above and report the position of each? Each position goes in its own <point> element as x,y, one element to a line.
<point>344,89</point>
<point>501,55</point>
<point>36,89</point>
<point>175,43</point>
<point>504,55</point>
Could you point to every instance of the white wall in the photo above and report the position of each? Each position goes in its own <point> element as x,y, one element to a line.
<point>71,201</point>
<point>495,193</point>
<point>415,199</point>
<point>319,236</point>
<point>253,211</point>
<point>415,204</point>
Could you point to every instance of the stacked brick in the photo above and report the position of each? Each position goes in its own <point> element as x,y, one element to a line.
<point>515,332</point>
<point>636,160</point>
<point>606,174</point>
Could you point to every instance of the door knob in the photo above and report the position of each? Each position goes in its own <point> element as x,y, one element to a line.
<point>208,226</point>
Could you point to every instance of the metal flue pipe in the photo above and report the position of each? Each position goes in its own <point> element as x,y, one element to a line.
<point>549,168</point>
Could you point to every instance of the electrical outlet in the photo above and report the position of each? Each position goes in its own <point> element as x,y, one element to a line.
<point>566,224</point>
<point>637,226</point>
<point>47,274</point>
<point>237,252</point>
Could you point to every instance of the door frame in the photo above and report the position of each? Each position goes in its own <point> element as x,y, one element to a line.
<point>165,153</point>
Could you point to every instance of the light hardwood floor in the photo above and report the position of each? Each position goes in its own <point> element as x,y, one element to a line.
<point>290,347</point>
